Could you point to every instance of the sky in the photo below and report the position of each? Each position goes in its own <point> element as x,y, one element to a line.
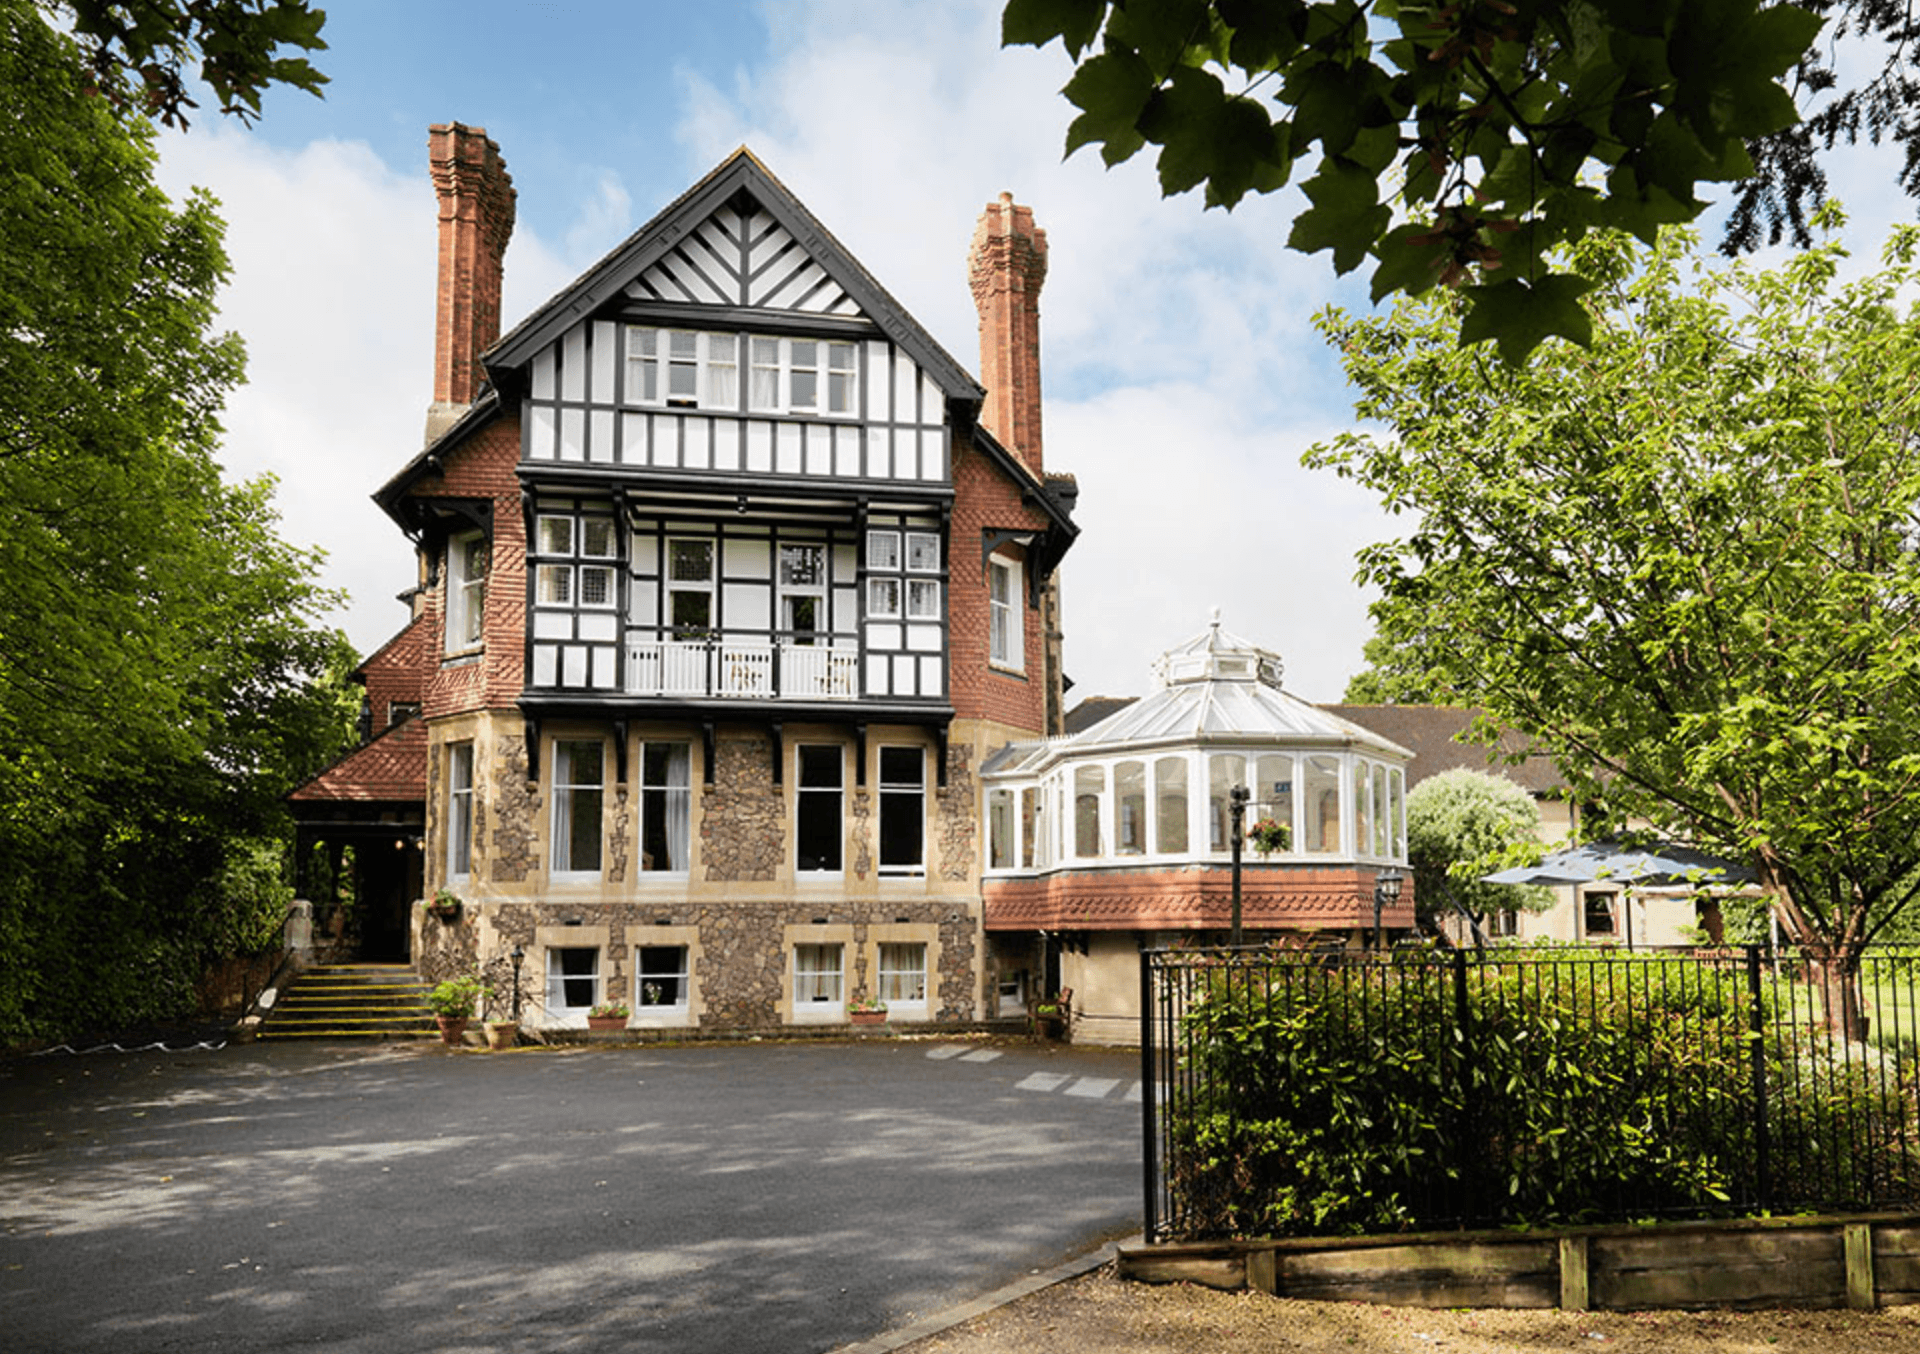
<point>1182,376</point>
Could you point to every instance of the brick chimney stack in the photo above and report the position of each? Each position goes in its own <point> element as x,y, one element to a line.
<point>476,221</point>
<point>1006,265</point>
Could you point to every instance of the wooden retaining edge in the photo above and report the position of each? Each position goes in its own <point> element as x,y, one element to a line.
<point>1859,1261</point>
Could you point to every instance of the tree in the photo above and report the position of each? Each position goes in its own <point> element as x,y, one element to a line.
<point>1461,142</point>
<point>1683,560</point>
<point>1463,824</point>
<point>142,53</point>
<point>1400,672</point>
<point>162,665</point>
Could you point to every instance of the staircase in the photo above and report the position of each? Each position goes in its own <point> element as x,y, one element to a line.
<point>352,1001</point>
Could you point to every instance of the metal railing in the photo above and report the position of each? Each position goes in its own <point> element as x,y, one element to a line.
<point>741,670</point>
<point>1318,1094</point>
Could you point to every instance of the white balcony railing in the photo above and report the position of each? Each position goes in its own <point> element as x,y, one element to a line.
<point>741,670</point>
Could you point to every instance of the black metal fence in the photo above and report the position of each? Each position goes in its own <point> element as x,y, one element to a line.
<point>1290,1093</point>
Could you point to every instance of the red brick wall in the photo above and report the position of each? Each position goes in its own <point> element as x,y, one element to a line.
<point>1304,897</point>
<point>476,200</point>
<point>482,467</point>
<point>985,499</point>
<point>1006,266</point>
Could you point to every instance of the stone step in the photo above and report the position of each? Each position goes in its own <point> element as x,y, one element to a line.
<point>352,1001</point>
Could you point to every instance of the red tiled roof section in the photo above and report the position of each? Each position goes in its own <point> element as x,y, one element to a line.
<point>1430,732</point>
<point>396,671</point>
<point>393,767</point>
<point>1283,897</point>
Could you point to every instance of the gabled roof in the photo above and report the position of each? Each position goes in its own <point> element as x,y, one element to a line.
<point>1433,732</point>
<point>739,174</point>
<point>390,769</point>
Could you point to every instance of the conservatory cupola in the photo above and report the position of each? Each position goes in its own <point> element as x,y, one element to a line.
<point>1148,791</point>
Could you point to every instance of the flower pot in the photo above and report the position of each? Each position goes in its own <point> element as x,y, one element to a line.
<point>452,1028</point>
<point>867,1017</point>
<point>502,1034</point>
<point>447,912</point>
<point>606,1023</point>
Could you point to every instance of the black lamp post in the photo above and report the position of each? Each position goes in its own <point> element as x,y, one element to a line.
<point>1237,799</point>
<point>519,956</point>
<point>1386,889</point>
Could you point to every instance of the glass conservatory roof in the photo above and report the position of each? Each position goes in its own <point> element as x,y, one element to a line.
<point>1218,687</point>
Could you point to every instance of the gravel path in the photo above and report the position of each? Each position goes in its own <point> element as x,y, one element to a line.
<point>1100,1314</point>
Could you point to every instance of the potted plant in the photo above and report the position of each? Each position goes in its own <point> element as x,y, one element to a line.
<point>1052,1017</point>
<point>1269,835</point>
<point>867,1011</point>
<point>445,905</point>
<point>453,1001</point>
<point>608,1015</point>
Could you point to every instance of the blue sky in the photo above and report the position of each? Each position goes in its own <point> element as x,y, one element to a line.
<point>1181,373</point>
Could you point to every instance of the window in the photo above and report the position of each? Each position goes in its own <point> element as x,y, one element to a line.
<point>1030,842</point>
<point>1002,833</point>
<point>399,712</point>
<point>578,773</point>
<point>883,550</point>
<point>660,980</point>
<point>1089,785</point>
<point>885,596</point>
<point>1320,805</point>
<point>1273,792</point>
<point>923,600</point>
<point>1362,810</point>
<point>1130,808</point>
<point>818,980</point>
<point>1598,914</point>
<point>1170,805</point>
<point>903,810</point>
<point>573,980</point>
<point>1007,629</point>
<point>803,592</point>
<point>817,810</point>
<point>903,975</point>
<point>690,588</point>
<point>1224,772</point>
<point>560,582</point>
<point>683,369</point>
<point>466,591</point>
<point>923,552</point>
<point>460,810</point>
<point>666,806</point>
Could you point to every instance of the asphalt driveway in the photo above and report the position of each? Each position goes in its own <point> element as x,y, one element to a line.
<point>777,1197</point>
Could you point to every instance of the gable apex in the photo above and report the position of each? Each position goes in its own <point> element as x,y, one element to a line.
<point>736,240</point>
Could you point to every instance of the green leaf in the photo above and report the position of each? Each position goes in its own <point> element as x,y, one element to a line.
<point>1406,266</point>
<point>1112,90</point>
<point>1035,23</point>
<point>1347,216</point>
<point>1519,316</point>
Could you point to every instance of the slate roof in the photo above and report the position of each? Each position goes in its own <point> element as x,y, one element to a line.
<point>1431,733</point>
<point>390,769</point>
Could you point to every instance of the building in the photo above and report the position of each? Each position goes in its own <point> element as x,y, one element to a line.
<point>730,578</point>
<point>1120,837</point>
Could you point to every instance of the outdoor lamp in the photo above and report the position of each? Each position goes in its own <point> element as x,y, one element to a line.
<point>519,956</point>
<point>1386,889</point>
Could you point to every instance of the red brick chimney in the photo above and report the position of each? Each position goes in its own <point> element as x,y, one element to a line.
<point>1006,265</point>
<point>476,221</point>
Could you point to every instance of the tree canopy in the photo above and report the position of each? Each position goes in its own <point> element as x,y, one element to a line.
<point>164,676</point>
<point>1460,143</point>
<point>1682,559</point>
<point>1462,824</point>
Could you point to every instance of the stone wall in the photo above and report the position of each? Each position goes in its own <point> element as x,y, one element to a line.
<point>743,814</point>
<point>512,814</point>
<point>956,830</point>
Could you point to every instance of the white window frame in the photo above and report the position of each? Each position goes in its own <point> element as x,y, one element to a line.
<point>883,551</point>
<point>784,370</point>
<point>923,552</point>
<point>466,572</point>
<point>1007,615</point>
<point>566,792</point>
<point>651,362</point>
<point>819,992</point>
<point>887,978</point>
<point>894,797</point>
<point>558,1007</point>
<point>672,1012</point>
<point>667,790</point>
<point>817,591</point>
<point>707,587</point>
<point>460,811</point>
<point>838,792</point>
<point>883,599</point>
<point>923,599</point>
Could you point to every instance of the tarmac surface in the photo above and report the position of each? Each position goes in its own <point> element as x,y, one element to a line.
<point>349,1197</point>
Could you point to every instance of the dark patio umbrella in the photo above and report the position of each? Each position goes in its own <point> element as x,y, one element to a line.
<point>1608,861</point>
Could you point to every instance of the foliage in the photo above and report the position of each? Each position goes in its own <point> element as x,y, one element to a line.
<point>1270,834</point>
<point>163,678</point>
<point>1463,824</point>
<point>1680,561</point>
<point>454,998</point>
<point>1578,1090</point>
<point>141,53</point>
<point>866,1004</point>
<point>1399,672</point>
<point>610,1010</point>
<point>1461,143</point>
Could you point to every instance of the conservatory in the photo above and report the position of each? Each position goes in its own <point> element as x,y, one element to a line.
<point>1121,836</point>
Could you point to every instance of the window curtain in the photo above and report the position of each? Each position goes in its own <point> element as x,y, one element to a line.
<point>679,807</point>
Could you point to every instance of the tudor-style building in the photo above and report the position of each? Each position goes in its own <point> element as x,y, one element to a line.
<point>730,579</point>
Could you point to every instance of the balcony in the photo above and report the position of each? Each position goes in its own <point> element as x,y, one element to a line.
<point>742,670</point>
